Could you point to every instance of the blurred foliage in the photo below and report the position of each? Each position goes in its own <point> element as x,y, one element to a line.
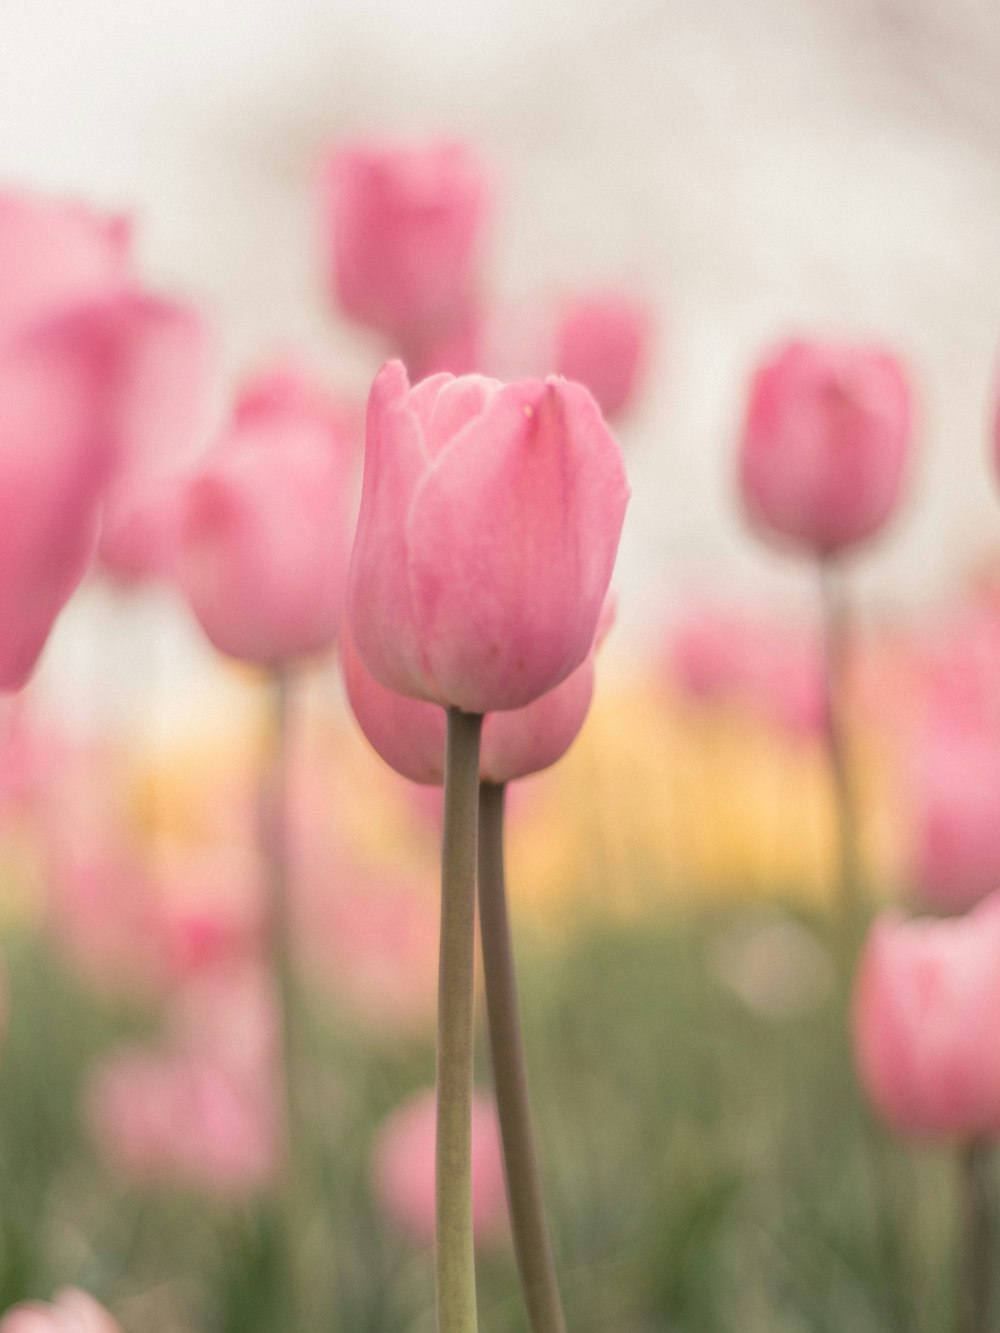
<point>710,1167</point>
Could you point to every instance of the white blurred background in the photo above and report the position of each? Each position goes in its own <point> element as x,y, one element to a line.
<point>755,167</point>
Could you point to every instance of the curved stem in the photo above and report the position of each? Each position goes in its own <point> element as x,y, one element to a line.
<point>835,643</point>
<point>455,1258</point>
<point>532,1241</point>
<point>975,1293</point>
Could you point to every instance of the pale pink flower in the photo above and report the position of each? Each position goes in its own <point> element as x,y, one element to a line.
<point>602,340</point>
<point>71,1311</point>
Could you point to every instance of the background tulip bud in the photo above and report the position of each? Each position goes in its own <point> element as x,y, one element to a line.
<point>602,341</point>
<point>404,232</point>
<point>72,1311</point>
<point>264,533</point>
<point>490,519</point>
<point>825,444</point>
<point>927,1023</point>
<point>403,1169</point>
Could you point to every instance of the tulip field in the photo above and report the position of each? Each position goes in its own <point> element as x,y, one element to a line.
<point>395,939</point>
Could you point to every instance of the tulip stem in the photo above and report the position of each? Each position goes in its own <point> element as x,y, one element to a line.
<point>455,1256</point>
<point>532,1241</point>
<point>274,797</point>
<point>975,1292</point>
<point>835,648</point>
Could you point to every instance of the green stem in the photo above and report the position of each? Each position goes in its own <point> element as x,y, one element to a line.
<point>274,799</point>
<point>455,1257</point>
<point>975,1293</point>
<point>532,1242</point>
<point>835,644</point>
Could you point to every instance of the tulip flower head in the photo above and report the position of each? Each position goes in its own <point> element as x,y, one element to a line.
<point>603,342</point>
<point>490,519</point>
<point>72,1311</point>
<point>927,1023</point>
<point>264,534</point>
<point>825,444</point>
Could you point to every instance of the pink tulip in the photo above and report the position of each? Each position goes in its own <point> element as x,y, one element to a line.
<point>58,447</point>
<point>927,1023</point>
<point>72,1311</point>
<point>173,1118</point>
<point>602,341</point>
<point>409,734</point>
<point>404,231</point>
<point>264,534</point>
<point>490,518</point>
<point>403,1170</point>
<point>54,257</point>
<point>825,444</point>
<point>955,810</point>
<point>164,412</point>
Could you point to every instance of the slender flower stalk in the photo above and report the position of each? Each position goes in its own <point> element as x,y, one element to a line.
<point>835,646</point>
<point>978,1240</point>
<point>455,1257</point>
<point>532,1242</point>
<point>273,815</point>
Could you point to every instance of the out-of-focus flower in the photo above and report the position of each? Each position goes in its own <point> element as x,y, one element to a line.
<point>927,1023</point>
<point>58,448</point>
<point>955,809</point>
<point>720,656</point>
<point>403,1170</point>
<point>188,1120</point>
<point>71,1311</point>
<point>825,444</point>
<point>55,256</point>
<point>490,519</point>
<point>169,373</point>
<point>403,231</point>
<point>265,532</point>
<point>602,341</point>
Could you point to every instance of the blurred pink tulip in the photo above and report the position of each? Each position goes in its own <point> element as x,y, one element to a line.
<point>825,444</point>
<point>404,229</point>
<point>403,1170</point>
<point>955,810</point>
<point>602,341</point>
<point>58,447</point>
<point>168,374</point>
<point>54,257</point>
<point>265,530</point>
<point>71,1311</point>
<point>409,734</point>
<point>927,1023</point>
<point>490,518</point>
<point>169,1117</point>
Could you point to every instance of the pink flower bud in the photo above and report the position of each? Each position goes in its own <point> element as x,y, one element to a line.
<point>404,229</point>
<point>57,450</point>
<point>825,444</point>
<point>55,256</point>
<point>264,533</point>
<point>72,1311</point>
<point>168,371</point>
<point>926,1023</point>
<point>403,1170</point>
<point>602,341</point>
<point>490,519</point>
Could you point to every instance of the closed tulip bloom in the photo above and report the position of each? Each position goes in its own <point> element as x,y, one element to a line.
<point>56,255</point>
<point>409,734</point>
<point>264,533</point>
<point>603,342</point>
<point>955,810</point>
<point>825,444</point>
<point>927,1023</point>
<point>490,519</point>
<point>403,1170</point>
<point>57,452</point>
<point>71,1311</point>
<point>404,229</point>
<point>168,370</point>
